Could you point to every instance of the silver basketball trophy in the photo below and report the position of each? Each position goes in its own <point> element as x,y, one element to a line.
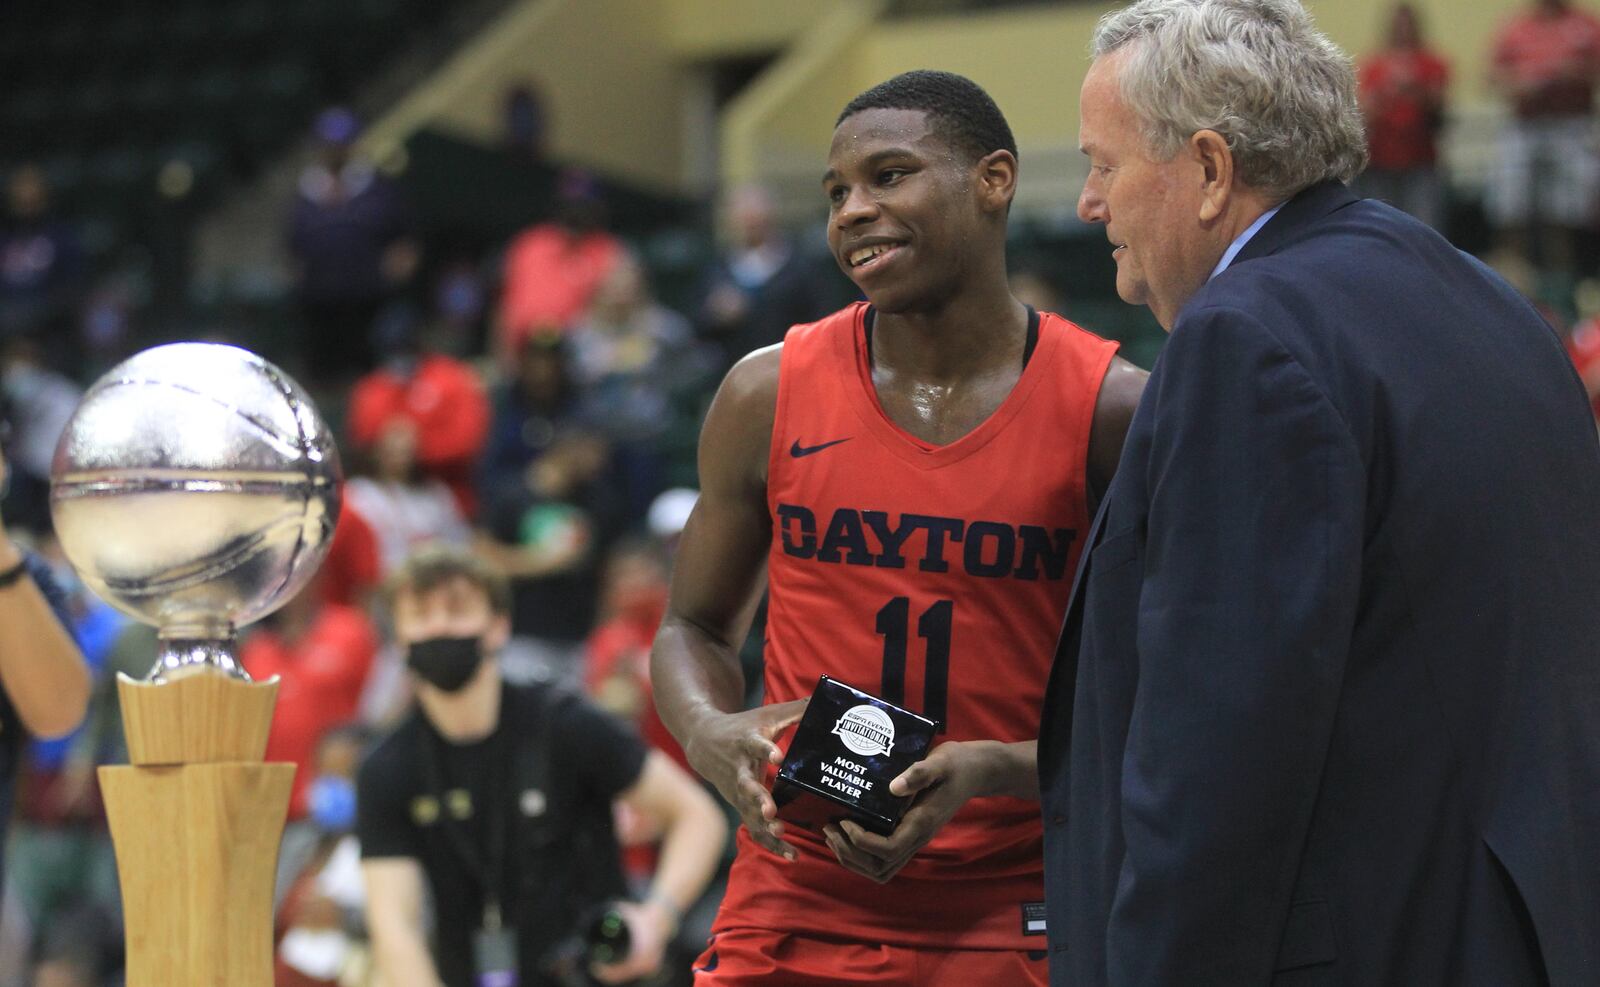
<point>196,489</point>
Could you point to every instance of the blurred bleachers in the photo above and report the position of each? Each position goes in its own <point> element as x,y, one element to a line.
<point>132,107</point>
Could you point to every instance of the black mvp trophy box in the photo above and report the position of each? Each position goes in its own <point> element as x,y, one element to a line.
<point>848,747</point>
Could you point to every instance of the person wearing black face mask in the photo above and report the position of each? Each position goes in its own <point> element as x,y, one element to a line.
<point>498,798</point>
<point>446,663</point>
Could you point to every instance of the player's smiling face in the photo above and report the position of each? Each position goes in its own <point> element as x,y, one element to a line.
<point>901,205</point>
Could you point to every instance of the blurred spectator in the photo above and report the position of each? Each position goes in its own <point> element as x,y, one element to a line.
<point>458,305</point>
<point>35,403</point>
<point>496,798</point>
<point>439,395</point>
<point>627,338</point>
<point>321,653</point>
<point>640,362</point>
<point>78,949</point>
<point>547,534</point>
<point>545,462</point>
<point>320,937</point>
<point>350,235</point>
<point>405,508</point>
<point>617,654</point>
<point>1402,89</point>
<point>1546,62</point>
<point>761,284</point>
<point>526,121</point>
<point>63,867</point>
<point>539,402</point>
<point>41,265</point>
<point>353,567</point>
<point>617,676</point>
<point>553,268</point>
<point>44,681</point>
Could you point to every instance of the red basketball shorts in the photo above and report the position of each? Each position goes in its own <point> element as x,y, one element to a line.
<point>765,958</point>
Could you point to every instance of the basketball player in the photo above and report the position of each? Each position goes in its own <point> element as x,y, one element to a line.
<point>915,472</point>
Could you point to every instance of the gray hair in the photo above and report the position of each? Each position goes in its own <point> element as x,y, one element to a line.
<point>1258,72</point>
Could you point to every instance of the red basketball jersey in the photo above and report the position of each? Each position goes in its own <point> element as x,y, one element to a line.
<point>936,577</point>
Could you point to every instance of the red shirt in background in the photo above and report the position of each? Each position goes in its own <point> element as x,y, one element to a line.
<point>621,646</point>
<point>352,568</point>
<point>550,275</point>
<point>1401,89</point>
<point>1551,61</point>
<point>1583,346</point>
<point>320,678</point>
<point>444,398</point>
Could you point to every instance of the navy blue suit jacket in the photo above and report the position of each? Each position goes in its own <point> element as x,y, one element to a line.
<point>1326,709</point>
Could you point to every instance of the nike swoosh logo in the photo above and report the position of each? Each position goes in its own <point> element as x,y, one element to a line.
<point>797,450</point>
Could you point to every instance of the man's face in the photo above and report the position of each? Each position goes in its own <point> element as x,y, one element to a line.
<point>455,608</point>
<point>1151,209</point>
<point>750,217</point>
<point>902,209</point>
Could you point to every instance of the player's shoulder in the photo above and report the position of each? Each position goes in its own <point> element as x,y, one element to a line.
<point>752,383</point>
<point>1070,331</point>
<point>748,396</point>
<point>844,320</point>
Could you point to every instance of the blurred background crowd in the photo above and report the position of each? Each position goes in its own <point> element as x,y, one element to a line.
<point>511,246</point>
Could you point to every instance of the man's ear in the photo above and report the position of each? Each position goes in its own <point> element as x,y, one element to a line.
<point>997,179</point>
<point>1211,152</point>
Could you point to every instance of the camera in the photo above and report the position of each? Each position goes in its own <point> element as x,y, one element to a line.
<point>600,936</point>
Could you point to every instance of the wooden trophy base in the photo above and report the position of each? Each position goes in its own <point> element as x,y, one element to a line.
<point>197,851</point>
<point>196,821</point>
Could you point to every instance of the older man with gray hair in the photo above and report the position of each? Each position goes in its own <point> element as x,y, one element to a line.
<point>1326,709</point>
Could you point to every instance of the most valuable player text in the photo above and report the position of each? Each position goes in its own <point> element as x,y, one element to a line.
<point>845,776</point>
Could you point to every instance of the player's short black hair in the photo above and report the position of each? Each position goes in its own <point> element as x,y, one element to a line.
<point>958,108</point>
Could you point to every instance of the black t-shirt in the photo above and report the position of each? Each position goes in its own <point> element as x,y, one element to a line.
<point>551,770</point>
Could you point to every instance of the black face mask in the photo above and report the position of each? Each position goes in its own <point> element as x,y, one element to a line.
<point>446,663</point>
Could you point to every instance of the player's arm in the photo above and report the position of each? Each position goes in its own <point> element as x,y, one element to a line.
<point>693,834</point>
<point>1113,410</point>
<point>694,666</point>
<point>394,920</point>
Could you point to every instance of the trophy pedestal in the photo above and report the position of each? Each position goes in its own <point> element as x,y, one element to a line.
<point>196,820</point>
<point>197,848</point>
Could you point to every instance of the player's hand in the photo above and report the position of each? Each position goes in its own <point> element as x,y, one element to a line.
<point>732,750</point>
<point>650,929</point>
<point>942,782</point>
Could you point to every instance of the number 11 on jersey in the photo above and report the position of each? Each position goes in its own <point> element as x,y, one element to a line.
<point>933,626</point>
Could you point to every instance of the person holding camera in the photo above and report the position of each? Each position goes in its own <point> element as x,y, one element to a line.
<point>44,681</point>
<point>498,798</point>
